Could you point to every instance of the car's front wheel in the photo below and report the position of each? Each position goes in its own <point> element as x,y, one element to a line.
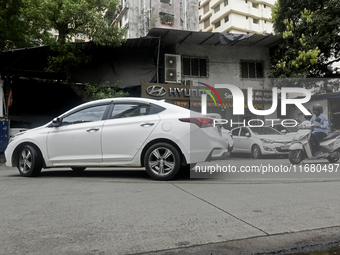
<point>29,161</point>
<point>256,152</point>
<point>162,161</point>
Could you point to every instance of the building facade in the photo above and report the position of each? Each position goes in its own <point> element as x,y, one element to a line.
<point>141,16</point>
<point>236,16</point>
<point>177,72</point>
<point>196,59</point>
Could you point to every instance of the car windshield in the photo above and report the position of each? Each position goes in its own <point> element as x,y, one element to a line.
<point>264,131</point>
<point>292,129</point>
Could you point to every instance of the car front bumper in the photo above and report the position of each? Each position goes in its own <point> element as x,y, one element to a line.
<point>275,148</point>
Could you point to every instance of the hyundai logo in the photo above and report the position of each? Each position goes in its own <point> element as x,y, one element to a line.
<point>156,91</point>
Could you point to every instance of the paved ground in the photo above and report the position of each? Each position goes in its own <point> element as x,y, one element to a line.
<point>107,211</point>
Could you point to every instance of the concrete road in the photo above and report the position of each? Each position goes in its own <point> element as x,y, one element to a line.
<point>112,211</point>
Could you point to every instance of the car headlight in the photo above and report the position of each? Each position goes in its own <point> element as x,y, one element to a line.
<point>267,141</point>
<point>302,137</point>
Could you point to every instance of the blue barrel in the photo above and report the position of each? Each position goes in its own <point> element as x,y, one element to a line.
<point>4,136</point>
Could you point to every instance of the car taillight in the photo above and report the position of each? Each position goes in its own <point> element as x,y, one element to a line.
<point>201,122</point>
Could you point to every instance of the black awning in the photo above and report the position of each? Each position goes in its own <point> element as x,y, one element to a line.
<point>172,36</point>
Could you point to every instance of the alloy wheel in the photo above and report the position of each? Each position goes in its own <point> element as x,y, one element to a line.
<point>161,161</point>
<point>25,161</point>
<point>256,152</point>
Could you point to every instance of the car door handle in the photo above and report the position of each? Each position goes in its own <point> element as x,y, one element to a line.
<point>147,124</point>
<point>92,130</point>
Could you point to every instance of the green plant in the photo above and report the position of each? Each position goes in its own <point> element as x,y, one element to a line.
<point>105,90</point>
<point>167,18</point>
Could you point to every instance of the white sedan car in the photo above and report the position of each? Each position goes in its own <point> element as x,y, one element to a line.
<point>161,137</point>
<point>285,130</point>
<point>260,141</point>
<point>229,139</point>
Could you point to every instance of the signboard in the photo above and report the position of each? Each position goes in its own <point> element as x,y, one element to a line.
<point>184,92</point>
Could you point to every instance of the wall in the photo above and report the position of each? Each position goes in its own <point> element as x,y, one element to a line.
<point>224,63</point>
<point>239,24</point>
<point>143,15</point>
<point>173,9</point>
<point>189,15</point>
<point>241,15</point>
<point>224,67</point>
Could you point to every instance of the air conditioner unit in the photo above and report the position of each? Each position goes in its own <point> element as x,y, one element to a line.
<point>172,68</point>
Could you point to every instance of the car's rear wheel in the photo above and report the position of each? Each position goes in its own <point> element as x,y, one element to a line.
<point>162,161</point>
<point>256,152</point>
<point>29,161</point>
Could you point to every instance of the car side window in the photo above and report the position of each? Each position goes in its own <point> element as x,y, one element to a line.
<point>90,114</point>
<point>244,131</point>
<point>129,110</point>
<point>235,132</point>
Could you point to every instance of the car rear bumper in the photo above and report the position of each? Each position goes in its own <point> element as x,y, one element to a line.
<point>203,144</point>
<point>217,154</point>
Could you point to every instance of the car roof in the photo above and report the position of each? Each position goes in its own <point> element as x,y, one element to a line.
<point>118,99</point>
<point>128,100</point>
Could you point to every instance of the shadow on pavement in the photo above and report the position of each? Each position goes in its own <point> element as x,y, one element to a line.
<point>100,173</point>
<point>245,155</point>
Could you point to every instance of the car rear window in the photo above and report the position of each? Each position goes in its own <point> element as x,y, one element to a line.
<point>129,110</point>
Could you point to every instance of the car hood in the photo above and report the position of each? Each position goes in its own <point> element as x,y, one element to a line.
<point>28,131</point>
<point>279,138</point>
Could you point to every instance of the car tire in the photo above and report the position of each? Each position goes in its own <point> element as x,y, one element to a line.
<point>78,169</point>
<point>162,161</point>
<point>30,161</point>
<point>256,152</point>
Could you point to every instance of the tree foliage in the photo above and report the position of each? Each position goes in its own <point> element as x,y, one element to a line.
<point>311,32</point>
<point>26,23</point>
<point>15,30</point>
<point>105,90</point>
<point>72,18</point>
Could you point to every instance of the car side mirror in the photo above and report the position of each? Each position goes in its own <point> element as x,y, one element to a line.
<point>56,122</point>
<point>247,134</point>
<point>284,131</point>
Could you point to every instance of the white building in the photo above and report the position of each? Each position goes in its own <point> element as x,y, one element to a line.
<point>236,16</point>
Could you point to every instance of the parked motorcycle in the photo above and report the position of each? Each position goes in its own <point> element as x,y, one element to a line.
<point>302,145</point>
